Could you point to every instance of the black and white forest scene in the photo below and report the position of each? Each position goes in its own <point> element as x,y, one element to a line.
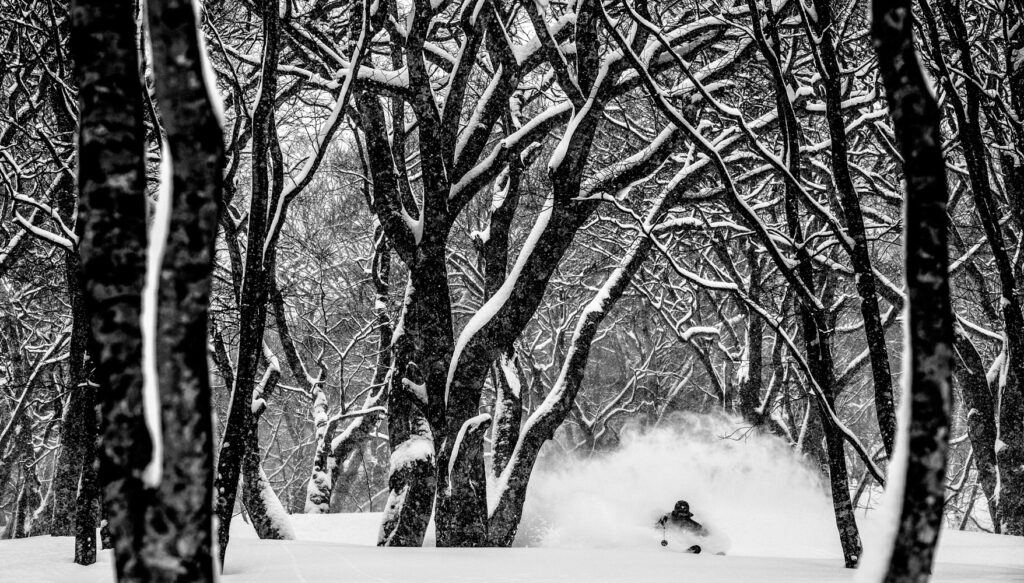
<point>511,291</point>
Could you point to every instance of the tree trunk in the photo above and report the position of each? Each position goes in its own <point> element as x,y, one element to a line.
<point>74,444</point>
<point>252,308</point>
<point>422,344</point>
<point>412,476</point>
<point>915,118</point>
<point>470,476</point>
<point>860,256</point>
<point>981,418</point>
<point>540,427</point>
<point>508,413</point>
<point>1010,456</point>
<point>268,516</point>
<point>332,452</point>
<point>817,340</point>
<point>179,544</point>
<point>750,380</point>
<point>87,506</point>
<point>112,215</point>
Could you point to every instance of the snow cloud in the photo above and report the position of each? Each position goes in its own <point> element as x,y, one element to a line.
<point>753,492</point>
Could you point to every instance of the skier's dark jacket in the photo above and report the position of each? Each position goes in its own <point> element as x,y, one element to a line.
<point>682,518</point>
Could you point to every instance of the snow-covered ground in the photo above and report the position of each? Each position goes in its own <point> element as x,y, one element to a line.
<point>339,548</point>
<point>592,521</point>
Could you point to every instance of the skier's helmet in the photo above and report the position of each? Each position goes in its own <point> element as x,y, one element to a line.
<point>682,507</point>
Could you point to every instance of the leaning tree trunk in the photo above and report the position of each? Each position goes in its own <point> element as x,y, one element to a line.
<point>915,118</point>
<point>179,537</point>
<point>817,338</point>
<point>256,281</point>
<point>112,215</point>
<point>503,521</point>
<point>864,275</point>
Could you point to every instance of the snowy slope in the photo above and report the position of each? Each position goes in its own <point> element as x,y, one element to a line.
<point>339,548</point>
<point>592,521</point>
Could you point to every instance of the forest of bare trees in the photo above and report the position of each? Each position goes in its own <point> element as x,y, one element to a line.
<point>270,257</point>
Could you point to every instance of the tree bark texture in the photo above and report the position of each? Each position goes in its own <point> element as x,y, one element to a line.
<point>256,281</point>
<point>112,215</point>
<point>179,537</point>
<point>915,118</point>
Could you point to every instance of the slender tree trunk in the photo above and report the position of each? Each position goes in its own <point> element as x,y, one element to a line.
<point>74,443</point>
<point>750,381</point>
<point>494,250</point>
<point>255,284</point>
<point>915,117</point>
<point>981,418</point>
<point>332,453</point>
<point>815,329</point>
<point>864,275</point>
<point>261,502</point>
<point>87,506</point>
<point>540,427</point>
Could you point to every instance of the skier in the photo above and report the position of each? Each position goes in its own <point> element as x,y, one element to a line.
<point>682,519</point>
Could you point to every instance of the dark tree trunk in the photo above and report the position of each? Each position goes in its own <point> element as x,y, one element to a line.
<point>412,476</point>
<point>915,118</point>
<point>481,350</point>
<point>831,74</point>
<point>508,413</point>
<point>179,545</point>
<point>260,501</point>
<point>468,474</point>
<point>256,282</point>
<point>751,383</point>
<point>839,480</point>
<point>112,216</point>
<point>87,506</point>
<point>981,418</point>
<point>508,405</point>
<point>815,329</point>
<point>422,348</point>
<point>1010,457</point>
<point>74,443</point>
<point>540,427</point>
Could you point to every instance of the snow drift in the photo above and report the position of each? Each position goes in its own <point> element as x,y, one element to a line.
<point>747,487</point>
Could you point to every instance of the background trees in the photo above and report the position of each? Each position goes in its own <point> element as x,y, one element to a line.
<point>455,238</point>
